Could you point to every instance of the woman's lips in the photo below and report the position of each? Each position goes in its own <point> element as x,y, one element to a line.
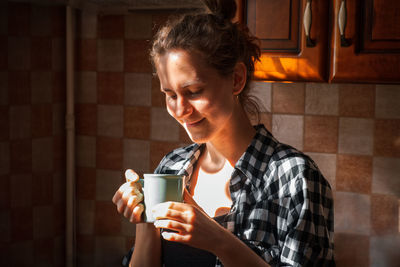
<point>193,123</point>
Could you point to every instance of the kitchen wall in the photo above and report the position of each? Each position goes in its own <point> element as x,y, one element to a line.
<point>32,146</point>
<point>352,131</point>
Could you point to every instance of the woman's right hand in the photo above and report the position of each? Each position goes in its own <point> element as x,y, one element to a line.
<point>129,196</point>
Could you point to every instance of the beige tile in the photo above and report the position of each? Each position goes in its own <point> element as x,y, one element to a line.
<point>163,126</point>
<point>86,87</point>
<point>137,155</point>
<point>384,214</point>
<point>107,183</point>
<point>86,151</point>
<point>262,118</point>
<point>58,58</point>
<point>352,213</point>
<point>288,129</point>
<point>19,53</point>
<point>356,136</point>
<point>5,158</point>
<point>42,154</point>
<point>384,250</point>
<point>110,55</point>
<point>110,120</point>
<point>88,23</point>
<point>327,165</point>
<point>138,89</point>
<point>4,88</point>
<point>385,176</point>
<point>85,219</point>
<point>138,25</point>
<point>108,250</point>
<point>261,91</point>
<point>21,190</point>
<point>41,20</point>
<point>288,98</point>
<point>109,153</point>
<point>20,122</point>
<point>43,226</point>
<point>387,101</point>
<point>322,99</point>
<point>41,84</point>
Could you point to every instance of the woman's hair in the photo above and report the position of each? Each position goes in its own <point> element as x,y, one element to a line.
<point>221,42</point>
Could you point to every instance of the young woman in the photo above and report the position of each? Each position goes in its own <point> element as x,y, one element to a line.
<point>249,200</point>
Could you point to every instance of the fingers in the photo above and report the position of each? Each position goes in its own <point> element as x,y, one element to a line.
<point>128,197</point>
<point>180,212</point>
<point>175,237</point>
<point>131,176</point>
<point>174,225</point>
<point>132,202</point>
<point>136,215</point>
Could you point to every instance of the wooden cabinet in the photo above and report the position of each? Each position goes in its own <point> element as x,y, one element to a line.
<point>301,40</point>
<point>367,49</point>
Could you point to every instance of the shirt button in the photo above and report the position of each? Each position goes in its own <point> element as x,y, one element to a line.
<point>233,209</point>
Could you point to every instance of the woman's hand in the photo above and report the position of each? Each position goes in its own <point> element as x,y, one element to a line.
<point>129,196</point>
<point>192,226</point>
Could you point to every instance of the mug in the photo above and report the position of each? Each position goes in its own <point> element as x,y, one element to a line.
<point>158,188</point>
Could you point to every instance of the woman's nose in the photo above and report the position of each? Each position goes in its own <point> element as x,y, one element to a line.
<point>182,108</point>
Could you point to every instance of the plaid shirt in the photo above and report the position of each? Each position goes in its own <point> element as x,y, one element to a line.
<point>282,205</point>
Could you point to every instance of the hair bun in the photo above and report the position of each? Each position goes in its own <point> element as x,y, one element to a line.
<point>225,9</point>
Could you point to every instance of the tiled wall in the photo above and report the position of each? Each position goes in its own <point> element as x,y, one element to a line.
<point>351,131</point>
<point>32,146</point>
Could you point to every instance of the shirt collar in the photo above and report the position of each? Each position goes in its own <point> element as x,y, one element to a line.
<point>254,161</point>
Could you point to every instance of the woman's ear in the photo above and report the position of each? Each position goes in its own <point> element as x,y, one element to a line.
<point>239,78</point>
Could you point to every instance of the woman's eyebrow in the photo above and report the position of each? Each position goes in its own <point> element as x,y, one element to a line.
<point>184,85</point>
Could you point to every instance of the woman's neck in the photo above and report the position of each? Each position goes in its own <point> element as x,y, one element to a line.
<point>231,142</point>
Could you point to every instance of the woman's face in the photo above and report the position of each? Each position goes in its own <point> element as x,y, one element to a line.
<point>200,99</point>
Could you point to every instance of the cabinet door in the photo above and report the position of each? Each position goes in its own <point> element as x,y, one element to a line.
<point>281,26</point>
<point>366,41</point>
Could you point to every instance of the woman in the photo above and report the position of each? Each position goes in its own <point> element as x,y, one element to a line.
<point>249,200</point>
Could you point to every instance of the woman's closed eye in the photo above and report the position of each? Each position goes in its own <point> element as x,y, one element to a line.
<point>195,94</point>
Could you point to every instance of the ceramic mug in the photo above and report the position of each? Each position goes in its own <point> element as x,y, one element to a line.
<point>159,188</point>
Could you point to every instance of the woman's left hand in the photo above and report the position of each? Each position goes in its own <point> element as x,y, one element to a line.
<point>191,225</point>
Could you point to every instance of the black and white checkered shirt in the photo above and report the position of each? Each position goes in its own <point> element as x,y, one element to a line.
<point>282,205</point>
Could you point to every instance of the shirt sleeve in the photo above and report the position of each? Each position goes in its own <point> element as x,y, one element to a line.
<point>308,240</point>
